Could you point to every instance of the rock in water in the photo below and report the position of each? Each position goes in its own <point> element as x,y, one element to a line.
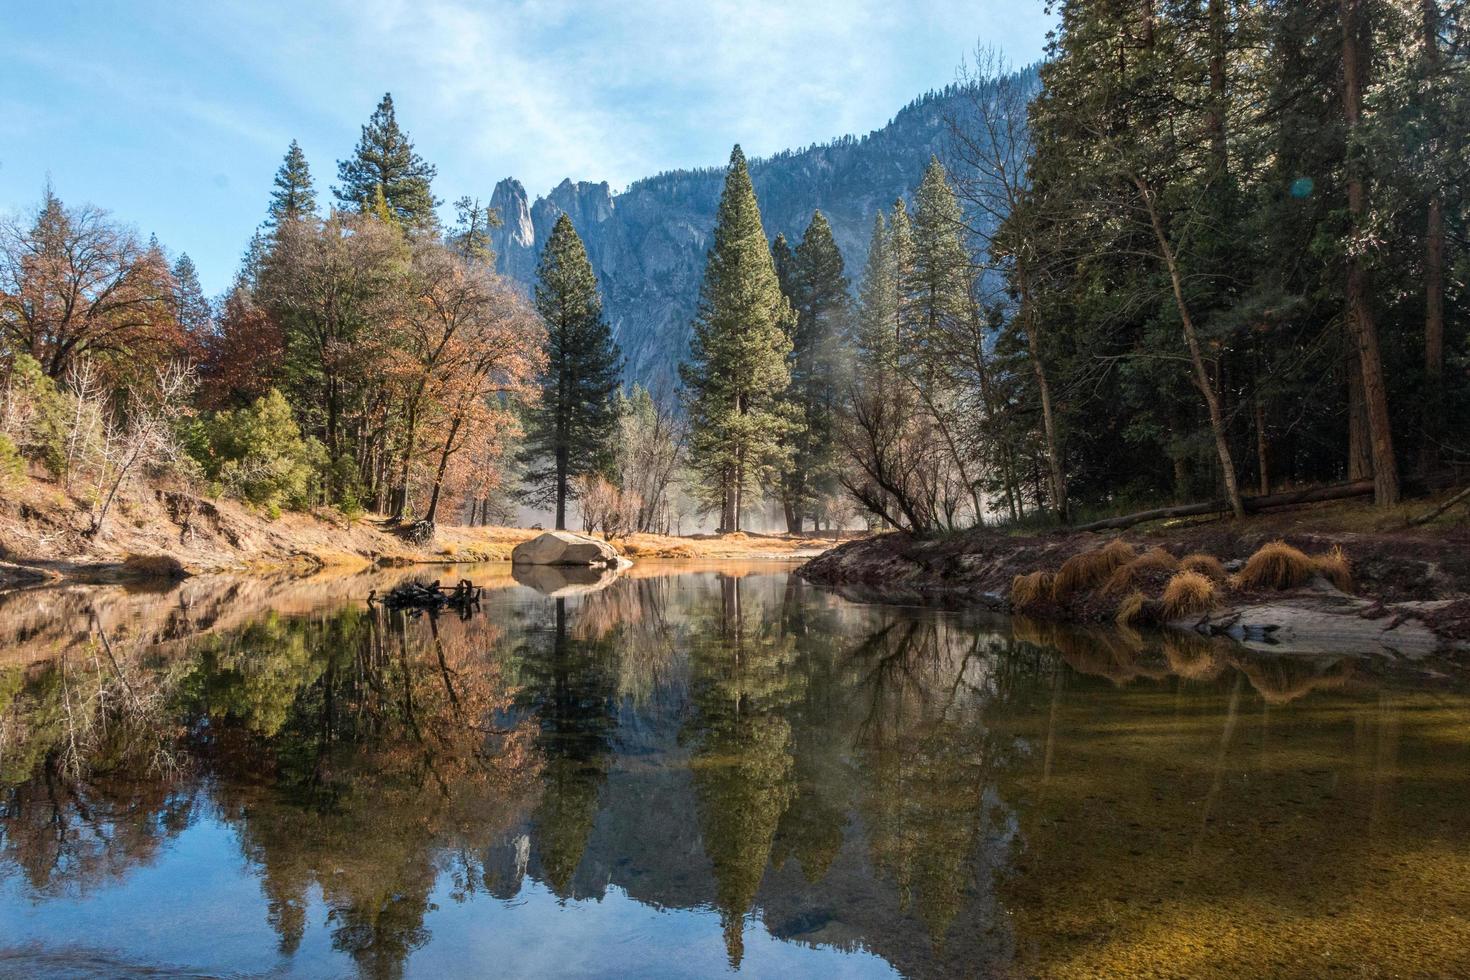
<point>564,548</point>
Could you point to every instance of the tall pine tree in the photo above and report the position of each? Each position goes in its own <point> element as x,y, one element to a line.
<point>737,375</point>
<point>294,196</point>
<point>385,160</point>
<point>816,285</point>
<point>570,432</point>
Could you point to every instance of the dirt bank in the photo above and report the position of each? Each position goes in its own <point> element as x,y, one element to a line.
<point>168,531</point>
<point>1409,592</point>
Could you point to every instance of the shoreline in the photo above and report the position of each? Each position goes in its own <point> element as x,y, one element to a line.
<point>163,533</point>
<point>1409,595</point>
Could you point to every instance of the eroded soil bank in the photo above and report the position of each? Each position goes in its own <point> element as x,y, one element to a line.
<point>1409,595</point>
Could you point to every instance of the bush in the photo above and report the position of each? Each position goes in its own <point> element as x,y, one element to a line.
<point>258,455</point>
<point>36,415</point>
<point>11,464</point>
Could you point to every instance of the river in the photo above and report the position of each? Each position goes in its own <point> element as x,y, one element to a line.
<point>697,770</point>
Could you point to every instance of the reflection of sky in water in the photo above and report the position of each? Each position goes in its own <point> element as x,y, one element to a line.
<point>154,917</point>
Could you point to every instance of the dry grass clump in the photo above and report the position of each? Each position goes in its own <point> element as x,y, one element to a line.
<point>1126,577</point>
<point>1335,568</point>
<point>1028,589</point>
<point>1206,564</point>
<point>1087,570</point>
<point>1131,609</point>
<point>1187,594</point>
<point>1277,565</point>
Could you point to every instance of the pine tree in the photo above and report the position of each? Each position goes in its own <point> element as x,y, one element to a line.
<point>737,373</point>
<point>817,288</point>
<point>385,158</point>
<point>191,309</point>
<point>294,196</point>
<point>471,235</point>
<point>570,432</point>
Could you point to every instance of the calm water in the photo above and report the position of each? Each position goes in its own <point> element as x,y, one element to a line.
<point>690,772</point>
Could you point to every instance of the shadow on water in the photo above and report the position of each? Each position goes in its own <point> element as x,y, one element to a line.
<point>812,786</point>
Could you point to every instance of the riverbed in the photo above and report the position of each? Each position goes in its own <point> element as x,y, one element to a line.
<point>694,769</point>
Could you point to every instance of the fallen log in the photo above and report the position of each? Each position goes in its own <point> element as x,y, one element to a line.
<point>1339,491</point>
<point>1460,497</point>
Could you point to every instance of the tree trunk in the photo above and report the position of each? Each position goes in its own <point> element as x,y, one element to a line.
<point>1191,338</point>
<point>1360,450</point>
<point>433,510</point>
<point>561,488</point>
<point>1058,482</point>
<point>1433,281</point>
<point>1360,315</point>
<point>1263,455</point>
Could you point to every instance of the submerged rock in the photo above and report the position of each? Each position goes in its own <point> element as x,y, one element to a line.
<point>565,548</point>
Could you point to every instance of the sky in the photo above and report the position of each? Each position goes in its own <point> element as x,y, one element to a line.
<point>175,115</point>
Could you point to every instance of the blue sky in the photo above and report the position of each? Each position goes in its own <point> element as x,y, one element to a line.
<point>175,115</point>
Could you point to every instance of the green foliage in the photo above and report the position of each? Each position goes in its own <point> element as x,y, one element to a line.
<point>737,373</point>
<point>258,455</point>
<point>569,431</point>
<point>815,283</point>
<point>294,196</point>
<point>12,466</point>
<point>39,413</point>
<point>384,159</point>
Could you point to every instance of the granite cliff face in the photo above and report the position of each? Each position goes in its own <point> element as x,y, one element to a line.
<point>648,243</point>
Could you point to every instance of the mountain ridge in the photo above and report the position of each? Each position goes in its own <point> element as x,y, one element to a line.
<point>647,243</point>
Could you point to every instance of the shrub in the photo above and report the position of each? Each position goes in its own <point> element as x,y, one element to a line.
<point>1276,565</point>
<point>1207,565</point>
<point>11,464</point>
<point>1085,571</point>
<point>1027,589</point>
<point>258,455</point>
<point>1126,577</point>
<point>154,566</point>
<point>1187,594</point>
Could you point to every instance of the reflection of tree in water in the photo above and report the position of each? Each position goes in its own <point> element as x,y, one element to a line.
<point>569,683</point>
<point>354,752</point>
<point>742,765</point>
<point>929,758</point>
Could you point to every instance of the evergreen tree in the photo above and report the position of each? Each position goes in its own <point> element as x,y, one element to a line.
<point>385,159</point>
<point>784,259</point>
<point>191,309</point>
<point>471,235</point>
<point>294,196</point>
<point>817,288</point>
<point>570,432</point>
<point>737,373</point>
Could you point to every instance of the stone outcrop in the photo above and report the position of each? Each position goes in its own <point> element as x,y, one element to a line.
<point>565,548</point>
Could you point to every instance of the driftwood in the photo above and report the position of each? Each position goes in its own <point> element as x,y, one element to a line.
<point>431,597</point>
<point>1339,491</point>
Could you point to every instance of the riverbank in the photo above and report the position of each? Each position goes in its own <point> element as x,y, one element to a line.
<point>1405,590</point>
<point>162,532</point>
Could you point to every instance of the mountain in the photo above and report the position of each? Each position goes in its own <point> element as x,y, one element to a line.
<point>648,243</point>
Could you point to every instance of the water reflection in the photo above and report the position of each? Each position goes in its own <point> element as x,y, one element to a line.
<point>900,789</point>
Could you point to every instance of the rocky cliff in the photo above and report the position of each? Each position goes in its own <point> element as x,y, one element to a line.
<point>648,243</point>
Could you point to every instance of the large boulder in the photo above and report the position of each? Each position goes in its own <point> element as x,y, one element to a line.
<point>564,548</point>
